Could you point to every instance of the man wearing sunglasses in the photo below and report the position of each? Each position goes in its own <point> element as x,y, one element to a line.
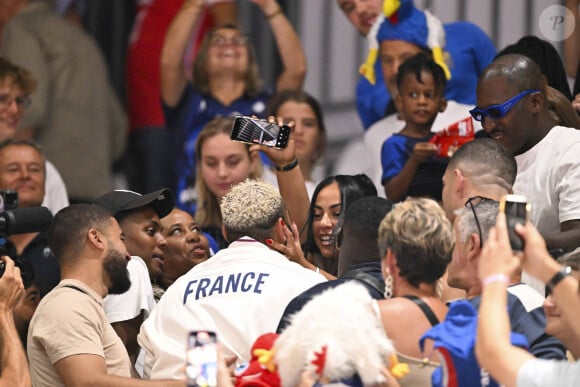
<point>527,317</point>
<point>513,109</point>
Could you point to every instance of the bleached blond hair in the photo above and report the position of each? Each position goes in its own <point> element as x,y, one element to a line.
<point>251,208</point>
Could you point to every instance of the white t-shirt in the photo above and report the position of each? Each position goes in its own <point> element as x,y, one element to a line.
<point>529,297</point>
<point>383,129</point>
<point>549,175</point>
<point>55,194</point>
<point>139,297</point>
<point>541,372</point>
<point>240,293</point>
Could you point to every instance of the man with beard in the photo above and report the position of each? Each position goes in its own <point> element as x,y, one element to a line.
<point>139,218</point>
<point>70,341</point>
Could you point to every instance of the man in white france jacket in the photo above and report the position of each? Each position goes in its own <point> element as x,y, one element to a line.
<point>240,293</point>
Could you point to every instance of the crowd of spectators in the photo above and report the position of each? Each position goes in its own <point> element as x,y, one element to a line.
<point>306,279</point>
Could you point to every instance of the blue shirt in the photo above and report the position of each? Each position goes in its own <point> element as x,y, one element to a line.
<point>470,51</point>
<point>532,325</point>
<point>396,151</point>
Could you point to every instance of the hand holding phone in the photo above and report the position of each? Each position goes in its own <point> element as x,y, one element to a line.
<point>257,131</point>
<point>517,210</point>
<point>202,359</point>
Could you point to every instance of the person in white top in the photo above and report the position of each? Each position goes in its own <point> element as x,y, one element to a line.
<point>70,342</point>
<point>513,108</point>
<point>240,293</point>
<point>139,218</point>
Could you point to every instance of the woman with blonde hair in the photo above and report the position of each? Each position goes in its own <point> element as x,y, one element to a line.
<point>416,241</point>
<point>224,81</point>
<point>221,163</point>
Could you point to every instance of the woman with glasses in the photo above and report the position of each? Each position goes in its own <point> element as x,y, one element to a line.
<point>16,86</point>
<point>225,80</point>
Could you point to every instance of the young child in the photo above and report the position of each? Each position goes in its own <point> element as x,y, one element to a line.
<point>410,165</point>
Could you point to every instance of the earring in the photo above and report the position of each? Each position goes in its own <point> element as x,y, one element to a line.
<point>388,286</point>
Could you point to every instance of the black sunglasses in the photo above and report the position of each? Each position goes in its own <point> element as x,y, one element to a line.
<point>473,202</point>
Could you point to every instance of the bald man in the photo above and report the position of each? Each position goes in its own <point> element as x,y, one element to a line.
<point>512,106</point>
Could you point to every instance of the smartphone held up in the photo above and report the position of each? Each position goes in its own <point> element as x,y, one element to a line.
<point>257,131</point>
<point>202,359</point>
<point>517,210</point>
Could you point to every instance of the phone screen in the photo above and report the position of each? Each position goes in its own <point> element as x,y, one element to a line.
<point>201,368</point>
<point>516,210</point>
<point>255,131</point>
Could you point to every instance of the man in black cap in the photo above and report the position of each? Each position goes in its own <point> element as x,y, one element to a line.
<point>139,218</point>
<point>70,341</point>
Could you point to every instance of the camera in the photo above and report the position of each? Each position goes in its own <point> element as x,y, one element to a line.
<point>15,220</point>
<point>256,131</point>
<point>517,210</point>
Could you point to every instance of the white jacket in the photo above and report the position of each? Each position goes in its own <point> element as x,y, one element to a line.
<point>240,293</point>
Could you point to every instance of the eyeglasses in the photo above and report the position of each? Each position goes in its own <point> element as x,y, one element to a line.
<point>21,102</point>
<point>220,41</point>
<point>499,111</point>
<point>473,202</point>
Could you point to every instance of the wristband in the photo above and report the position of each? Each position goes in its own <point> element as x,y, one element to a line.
<point>274,14</point>
<point>559,276</point>
<point>495,278</point>
<point>287,167</point>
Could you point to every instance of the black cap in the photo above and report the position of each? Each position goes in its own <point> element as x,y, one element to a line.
<point>123,200</point>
